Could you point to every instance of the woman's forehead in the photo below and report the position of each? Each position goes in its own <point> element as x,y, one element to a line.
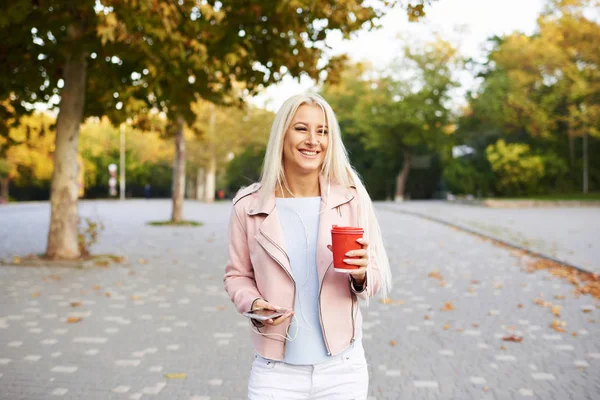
<point>309,114</point>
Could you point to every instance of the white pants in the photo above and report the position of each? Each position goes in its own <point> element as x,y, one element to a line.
<point>344,377</point>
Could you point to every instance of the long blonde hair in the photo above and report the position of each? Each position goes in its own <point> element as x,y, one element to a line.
<point>336,166</point>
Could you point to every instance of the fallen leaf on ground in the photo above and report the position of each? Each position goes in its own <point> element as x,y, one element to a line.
<point>72,320</point>
<point>221,308</point>
<point>426,317</point>
<point>519,305</point>
<point>558,297</point>
<point>136,298</point>
<point>435,274</point>
<point>35,295</point>
<point>76,304</point>
<point>586,310</point>
<point>17,260</point>
<point>393,343</point>
<point>574,334</point>
<point>447,307</point>
<point>498,286</point>
<point>512,338</point>
<point>102,263</point>
<point>556,310</point>
<point>96,287</point>
<point>176,376</point>
<point>107,294</point>
<point>558,325</point>
<point>141,261</point>
<point>446,326</point>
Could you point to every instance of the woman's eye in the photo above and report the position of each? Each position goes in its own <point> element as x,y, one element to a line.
<point>300,128</point>
<point>323,132</point>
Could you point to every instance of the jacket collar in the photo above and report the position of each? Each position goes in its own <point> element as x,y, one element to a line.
<point>332,194</point>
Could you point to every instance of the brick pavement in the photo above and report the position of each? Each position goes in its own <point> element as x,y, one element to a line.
<point>165,312</point>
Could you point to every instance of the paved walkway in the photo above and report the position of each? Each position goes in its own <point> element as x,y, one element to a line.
<point>568,234</point>
<point>164,312</point>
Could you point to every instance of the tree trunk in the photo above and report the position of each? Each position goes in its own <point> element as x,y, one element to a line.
<point>200,184</point>
<point>178,172</point>
<point>209,188</point>
<point>63,233</point>
<point>3,190</point>
<point>403,175</point>
<point>585,163</point>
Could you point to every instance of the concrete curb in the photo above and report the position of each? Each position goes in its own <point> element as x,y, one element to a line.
<point>486,235</point>
<point>498,203</point>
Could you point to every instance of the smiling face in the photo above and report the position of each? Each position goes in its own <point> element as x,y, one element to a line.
<point>306,141</point>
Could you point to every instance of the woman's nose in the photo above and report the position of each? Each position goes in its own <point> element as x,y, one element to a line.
<point>313,138</point>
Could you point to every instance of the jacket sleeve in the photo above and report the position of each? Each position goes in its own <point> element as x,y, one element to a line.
<point>372,281</point>
<point>239,280</point>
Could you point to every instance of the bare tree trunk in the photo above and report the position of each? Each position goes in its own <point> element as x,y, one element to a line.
<point>200,184</point>
<point>403,175</point>
<point>4,190</point>
<point>209,188</point>
<point>178,172</point>
<point>63,233</point>
<point>585,163</point>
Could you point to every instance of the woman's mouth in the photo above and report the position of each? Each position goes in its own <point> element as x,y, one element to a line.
<point>309,153</point>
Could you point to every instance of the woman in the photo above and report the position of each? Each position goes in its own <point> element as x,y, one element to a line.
<point>280,259</point>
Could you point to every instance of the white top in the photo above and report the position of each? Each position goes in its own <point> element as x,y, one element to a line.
<point>299,218</point>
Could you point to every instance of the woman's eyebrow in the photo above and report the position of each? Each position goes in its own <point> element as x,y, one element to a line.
<point>305,123</point>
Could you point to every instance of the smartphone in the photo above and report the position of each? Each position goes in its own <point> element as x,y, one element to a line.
<point>263,315</point>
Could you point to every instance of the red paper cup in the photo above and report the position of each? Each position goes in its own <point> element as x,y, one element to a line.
<point>343,239</point>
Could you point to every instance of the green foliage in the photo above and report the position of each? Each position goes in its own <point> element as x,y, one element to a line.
<point>517,170</point>
<point>463,177</point>
<point>245,168</point>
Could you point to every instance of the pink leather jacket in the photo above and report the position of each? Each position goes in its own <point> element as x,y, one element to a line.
<point>260,268</point>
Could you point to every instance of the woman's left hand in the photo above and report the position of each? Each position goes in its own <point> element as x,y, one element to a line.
<point>359,274</point>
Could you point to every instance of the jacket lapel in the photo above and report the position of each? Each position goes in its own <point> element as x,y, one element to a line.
<point>271,236</point>
<point>333,195</point>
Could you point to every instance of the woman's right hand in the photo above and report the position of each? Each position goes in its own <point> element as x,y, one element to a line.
<point>260,304</point>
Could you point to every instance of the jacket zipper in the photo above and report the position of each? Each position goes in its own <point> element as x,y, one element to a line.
<point>321,315</point>
<point>293,281</point>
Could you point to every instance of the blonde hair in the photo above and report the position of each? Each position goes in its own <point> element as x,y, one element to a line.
<point>336,166</point>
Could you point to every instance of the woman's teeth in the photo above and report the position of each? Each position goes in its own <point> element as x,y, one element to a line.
<point>308,153</point>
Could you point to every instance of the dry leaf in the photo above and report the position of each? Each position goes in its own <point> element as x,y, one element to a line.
<point>513,338</point>
<point>35,295</point>
<point>17,260</point>
<point>76,304</point>
<point>502,347</point>
<point>101,263</point>
<point>447,307</point>
<point>141,261</point>
<point>558,297</point>
<point>498,286</point>
<point>586,310</point>
<point>558,325</point>
<point>426,317</point>
<point>574,334</point>
<point>459,330</point>
<point>393,343</point>
<point>475,324</point>
<point>96,287</point>
<point>136,298</point>
<point>446,326</point>
<point>72,320</point>
<point>556,310</point>
<point>435,274</point>
<point>176,376</point>
<point>519,305</point>
<point>107,294</point>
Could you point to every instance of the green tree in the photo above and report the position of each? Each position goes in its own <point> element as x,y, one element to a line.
<point>110,57</point>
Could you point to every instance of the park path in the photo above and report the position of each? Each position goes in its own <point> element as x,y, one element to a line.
<point>567,234</point>
<point>163,313</point>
